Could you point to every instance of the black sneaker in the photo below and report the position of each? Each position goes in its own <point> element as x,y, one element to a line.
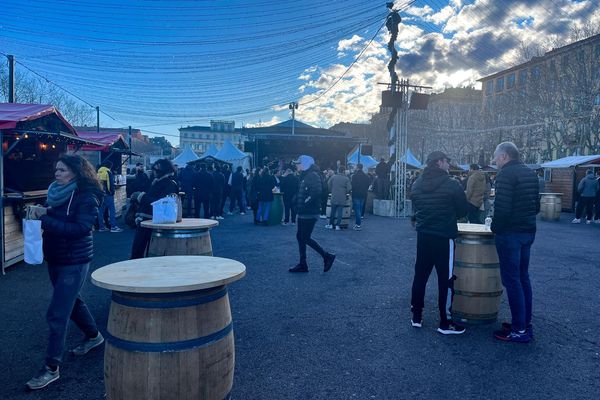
<point>451,328</point>
<point>299,268</point>
<point>512,336</point>
<point>45,377</point>
<point>88,344</point>
<point>328,261</point>
<point>506,326</point>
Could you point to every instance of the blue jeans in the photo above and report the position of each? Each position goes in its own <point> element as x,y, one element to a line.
<point>358,206</point>
<point>513,252</point>
<point>336,213</point>
<point>66,303</point>
<point>263,211</point>
<point>108,202</point>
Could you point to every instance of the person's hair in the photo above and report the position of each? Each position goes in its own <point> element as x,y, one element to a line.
<point>107,163</point>
<point>84,172</point>
<point>163,167</point>
<point>508,148</point>
<point>139,164</point>
<point>341,170</point>
<point>239,168</point>
<point>359,166</point>
<point>474,167</point>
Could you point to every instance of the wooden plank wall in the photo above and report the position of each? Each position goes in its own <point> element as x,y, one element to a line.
<point>12,238</point>
<point>562,182</point>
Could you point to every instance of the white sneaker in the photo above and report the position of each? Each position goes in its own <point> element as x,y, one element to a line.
<point>357,227</point>
<point>116,229</point>
<point>337,228</point>
<point>219,217</point>
<point>323,216</point>
<point>587,221</point>
<point>576,221</point>
<point>328,226</point>
<point>597,221</point>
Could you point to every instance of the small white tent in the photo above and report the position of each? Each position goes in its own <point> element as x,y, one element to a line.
<point>185,157</point>
<point>233,155</point>
<point>211,151</point>
<point>366,161</point>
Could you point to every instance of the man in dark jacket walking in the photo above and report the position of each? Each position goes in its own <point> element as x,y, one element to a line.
<point>237,190</point>
<point>203,188</point>
<point>308,205</point>
<point>360,187</point>
<point>438,201</point>
<point>289,188</point>
<point>515,208</point>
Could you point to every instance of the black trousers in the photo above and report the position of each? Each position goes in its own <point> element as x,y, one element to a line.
<point>305,228</point>
<point>438,252</point>
<point>236,197</point>
<point>289,208</point>
<point>201,203</point>
<point>141,240</point>
<point>588,204</point>
<point>474,214</point>
<point>216,209</point>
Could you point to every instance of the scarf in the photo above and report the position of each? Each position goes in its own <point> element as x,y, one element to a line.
<point>59,194</point>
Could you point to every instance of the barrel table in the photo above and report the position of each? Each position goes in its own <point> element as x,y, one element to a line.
<point>478,286</point>
<point>550,206</point>
<point>345,212</point>
<point>169,334</point>
<point>191,236</point>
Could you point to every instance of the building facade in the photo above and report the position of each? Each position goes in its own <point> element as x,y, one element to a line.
<point>199,138</point>
<point>549,106</point>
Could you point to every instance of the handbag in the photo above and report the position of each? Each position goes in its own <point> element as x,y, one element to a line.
<point>164,211</point>
<point>32,240</point>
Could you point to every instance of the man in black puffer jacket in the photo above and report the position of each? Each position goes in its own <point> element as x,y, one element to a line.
<point>515,208</point>
<point>438,201</point>
<point>308,202</point>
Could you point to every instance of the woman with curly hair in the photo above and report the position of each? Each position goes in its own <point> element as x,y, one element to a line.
<point>67,221</point>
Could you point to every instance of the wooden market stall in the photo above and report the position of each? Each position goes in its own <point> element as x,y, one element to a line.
<point>113,148</point>
<point>33,136</point>
<point>563,175</point>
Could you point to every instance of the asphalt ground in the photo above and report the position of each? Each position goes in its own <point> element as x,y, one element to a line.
<point>346,334</point>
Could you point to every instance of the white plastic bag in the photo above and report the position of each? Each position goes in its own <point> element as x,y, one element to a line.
<point>32,241</point>
<point>164,211</point>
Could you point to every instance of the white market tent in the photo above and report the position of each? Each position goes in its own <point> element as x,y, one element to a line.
<point>366,161</point>
<point>211,151</point>
<point>185,157</point>
<point>410,159</point>
<point>234,156</point>
<point>570,161</point>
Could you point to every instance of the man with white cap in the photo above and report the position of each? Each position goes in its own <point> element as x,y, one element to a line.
<point>308,203</point>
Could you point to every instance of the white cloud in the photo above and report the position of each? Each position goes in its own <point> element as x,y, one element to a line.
<point>260,124</point>
<point>349,44</point>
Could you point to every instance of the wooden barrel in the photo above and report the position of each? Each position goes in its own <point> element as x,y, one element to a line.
<point>550,206</point>
<point>190,237</point>
<point>169,346</point>
<point>180,242</point>
<point>345,213</point>
<point>478,286</point>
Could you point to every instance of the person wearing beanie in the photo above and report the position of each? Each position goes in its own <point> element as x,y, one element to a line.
<point>308,205</point>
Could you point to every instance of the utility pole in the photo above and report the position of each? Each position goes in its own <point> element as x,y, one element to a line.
<point>293,106</point>
<point>11,78</point>
<point>97,119</point>
<point>129,140</point>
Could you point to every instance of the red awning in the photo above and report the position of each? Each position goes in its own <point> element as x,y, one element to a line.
<point>106,138</point>
<point>13,113</point>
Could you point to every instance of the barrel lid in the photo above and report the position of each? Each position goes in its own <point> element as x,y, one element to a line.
<point>474,228</point>
<point>168,274</point>
<point>186,223</point>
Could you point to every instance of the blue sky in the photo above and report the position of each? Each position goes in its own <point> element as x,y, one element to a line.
<point>160,65</point>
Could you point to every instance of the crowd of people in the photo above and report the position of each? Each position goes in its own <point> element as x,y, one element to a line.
<point>588,199</point>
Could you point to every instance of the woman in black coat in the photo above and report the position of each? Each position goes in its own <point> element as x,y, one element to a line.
<point>163,185</point>
<point>67,221</point>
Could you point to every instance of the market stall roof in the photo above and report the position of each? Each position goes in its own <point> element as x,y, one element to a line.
<point>20,116</point>
<point>410,159</point>
<point>186,156</point>
<point>366,161</point>
<point>211,151</point>
<point>108,140</point>
<point>571,161</point>
<point>229,152</point>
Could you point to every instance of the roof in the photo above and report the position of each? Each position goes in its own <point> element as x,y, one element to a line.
<point>571,161</point>
<point>366,161</point>
<point>108,140</point>
<point>12,114</point>
<point>185,157</point>
<point>211,151</point>
<point>410,159</point>
<point>229,152</point>
<point>551,53</point>
<point>285,129</point>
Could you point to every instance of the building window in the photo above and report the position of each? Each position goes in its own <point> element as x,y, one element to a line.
<point>489,87</point>
<point>499,84</point>
<point>510,81</point>
<point>597,100</point>
<point>522,77</point>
